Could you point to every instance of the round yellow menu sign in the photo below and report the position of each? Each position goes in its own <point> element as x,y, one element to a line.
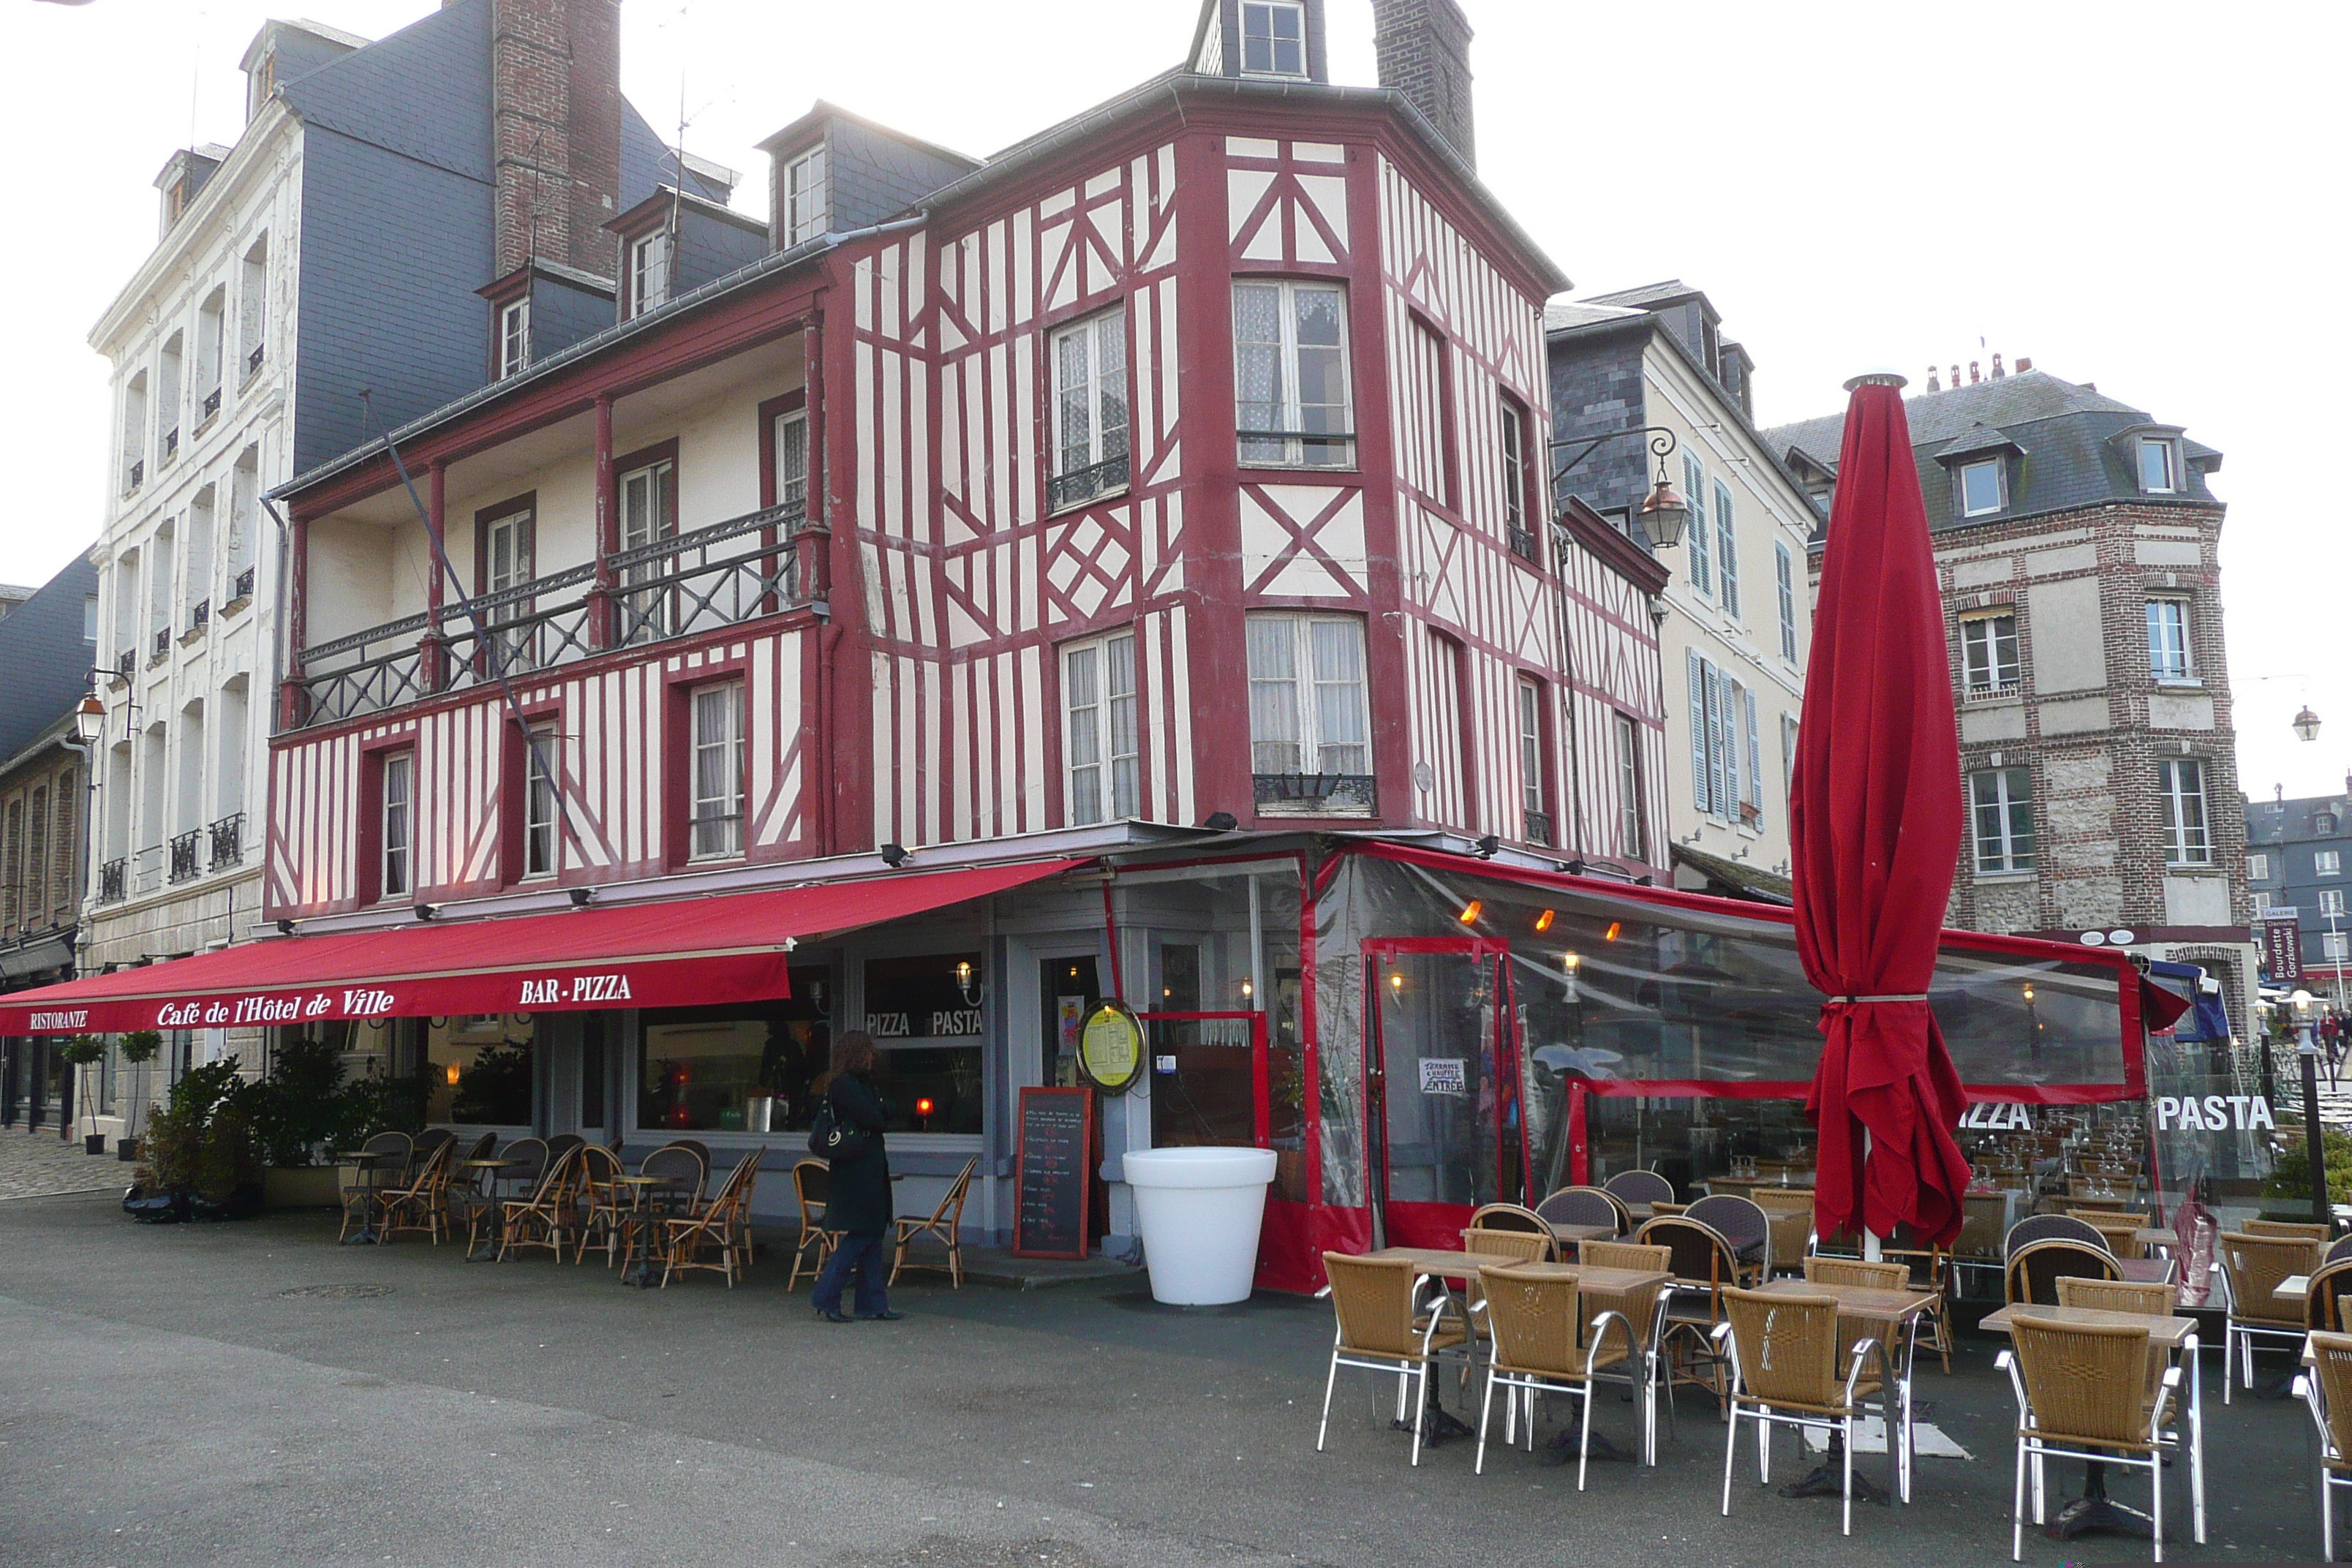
<point>1110,1048</point>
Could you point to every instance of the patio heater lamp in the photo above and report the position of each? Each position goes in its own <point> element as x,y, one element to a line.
<point>2314,1143</point>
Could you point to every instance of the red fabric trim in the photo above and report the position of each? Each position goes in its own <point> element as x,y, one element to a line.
<point>675,952</point>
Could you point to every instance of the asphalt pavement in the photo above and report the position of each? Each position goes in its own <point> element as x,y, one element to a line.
<point>253,1393</point>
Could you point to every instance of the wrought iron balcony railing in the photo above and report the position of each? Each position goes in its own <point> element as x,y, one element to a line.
<point>126,662</point>
<point>199,615</point>
<point>171,443</point>
<point>113,875</point>
<point>187,865</point>
<point>253,360</point>
<point>160,644</point>
<point>1080,486</point>
<point>227,840</point>
<point>137,477</point>
<point>1538,826</point>
<point>689,584</point>
<point>1314,795</point>
<point>212,402</point>
<point>244,584</point>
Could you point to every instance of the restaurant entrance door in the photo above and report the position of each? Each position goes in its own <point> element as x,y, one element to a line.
<point>1444,1128</point>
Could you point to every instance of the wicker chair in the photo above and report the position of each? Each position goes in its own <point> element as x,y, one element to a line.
<point>2326,1388</point>
<point>2323,1297</point>
<point>1745,1225</point>
<point>2288,1229</point>
<point>2338,1251</point>
<point>2116,1226</point>
<point>1510,1216</point>
<point>2031,1274</point>
<point>2051,1227</point>
<point>364,1186</point>
<point>1543,1345</point>
<point>701,1152</point>
<point>1984,1221</point>
<point>1645,1314</point>
<point>1704,1266</point>
<point>546,1219</point>
<point>1784,1358</point>
<point>474,1195</point>
<point>603,1202</point>
<point>2256,1266</point>
<point>944,1226</point>
<point>1789,1213</point>
<point>1641,1187</point>
<point>2081,1394</point>
<point>1586,1206</point>
<point>1383,1329</point>
<point>811,1184</point>
<point>422,1200</point>
<point>562,1143</point>
<point>723,1224</point>
<point>2153,1302</point>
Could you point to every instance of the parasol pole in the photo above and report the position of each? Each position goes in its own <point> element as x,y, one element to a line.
<point>1873,1249</point>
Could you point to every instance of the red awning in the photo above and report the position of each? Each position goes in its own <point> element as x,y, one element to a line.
<point>677,952</point>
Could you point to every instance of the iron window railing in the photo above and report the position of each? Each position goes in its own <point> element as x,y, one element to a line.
<point>161,643</point>
<point>111,879</point>
<point>199,615</point>
<point>1523,544</point>
<point>227,840</point>
<point>1307,448</point>
<point>1339,793</point>
<point>1539,827</point>
<point>186,863</point>
<point>212,402</point>
<point>127,661</point>
<point>253,360</point>
<point>244,584</point>
<point>137,475</point>
<point>171,443</point>
<point>1080,486</point>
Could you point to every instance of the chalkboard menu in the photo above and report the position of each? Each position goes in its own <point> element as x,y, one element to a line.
<point>1053,1174</point>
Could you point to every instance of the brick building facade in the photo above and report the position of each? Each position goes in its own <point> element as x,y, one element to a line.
<point>2076,541</point>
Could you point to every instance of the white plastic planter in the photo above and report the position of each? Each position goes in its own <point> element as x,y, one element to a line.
<point>1199,1211</point>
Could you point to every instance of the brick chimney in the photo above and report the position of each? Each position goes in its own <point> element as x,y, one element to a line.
<point>1425,53</point>
<point>555,109</point>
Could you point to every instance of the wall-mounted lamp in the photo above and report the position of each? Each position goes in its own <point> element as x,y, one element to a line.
<point>967,982</point>
<point>1249,988</point>
<point>583,897</point>
<point>89,721</point>
<point>452,1071</point>
<point>285,927</point>
<point>895,854</point>
<point>1221,822</point>
<point>1489,847</point>
<point>1396,981</point>
<point>427,911</point>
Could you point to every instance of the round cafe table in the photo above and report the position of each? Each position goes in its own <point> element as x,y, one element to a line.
<point>495,1210</point>
<point>639,1221</point>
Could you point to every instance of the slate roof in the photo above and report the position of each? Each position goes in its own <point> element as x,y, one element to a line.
<point>2271,822</point>
<point>1562,316</point>
<point>1647,294</point>
<point>2066,431</point>
<point>1737,878</point>
<point>47,662</point>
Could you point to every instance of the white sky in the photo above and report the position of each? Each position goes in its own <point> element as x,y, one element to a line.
<point>2131,194</point>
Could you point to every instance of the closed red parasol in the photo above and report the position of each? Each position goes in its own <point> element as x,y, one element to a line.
<point>1875,821</point>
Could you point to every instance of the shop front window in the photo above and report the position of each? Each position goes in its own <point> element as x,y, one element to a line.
<point>478,1070</point>
<point>748,1068</point>
<point>925,1016</point>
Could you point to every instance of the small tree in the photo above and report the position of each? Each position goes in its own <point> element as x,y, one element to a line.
<point>137,1048</point>
<point>80,1051</point>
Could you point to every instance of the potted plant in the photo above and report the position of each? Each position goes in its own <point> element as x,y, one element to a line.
<point>298,1115</point>
<point>82,1051</point>
<point>182,1156</point>
<point>137,1048</point>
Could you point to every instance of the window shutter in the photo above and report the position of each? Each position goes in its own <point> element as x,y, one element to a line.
<point>1718,796</point>
<point>1693,479</point>
<point>1726,553</point>
<point>1698,722</point>
<point>1755,758</point>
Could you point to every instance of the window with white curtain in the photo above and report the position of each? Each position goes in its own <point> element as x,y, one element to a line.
<point>1100,751</point>
<point>1090,427</point>
<point>792,458</point>
<point>2181,781</point>
<point>1307,713</point>
<point>539,802</point>
<point>716,810</point>
<point>1989,665</point>
<point>1535,767</point>
<point>1292,406</point>
<point>1631,839</point>
<point>2001,802</point>
<point>649,272</point>
<point>399,806</point>
<point>2169,657</point>
<point>645,517</point>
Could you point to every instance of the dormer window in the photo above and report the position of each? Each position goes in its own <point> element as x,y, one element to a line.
<point>2160,467</point>
<point>649,272</point>
<point>1273,37</point>
<point>514,337</point>
<point>1981,487</point>
<point>807,197</point>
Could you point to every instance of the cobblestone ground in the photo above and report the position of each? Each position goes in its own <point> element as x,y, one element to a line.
<point>37,1163</point>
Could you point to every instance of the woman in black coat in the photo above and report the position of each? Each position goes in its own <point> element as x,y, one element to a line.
<point>857,1197</point>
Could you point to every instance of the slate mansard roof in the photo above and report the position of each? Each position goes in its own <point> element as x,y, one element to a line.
<point>46,661</point>
<point>2062,438</point>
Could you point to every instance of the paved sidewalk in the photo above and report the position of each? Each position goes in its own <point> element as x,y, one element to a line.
<point>39,1163</point>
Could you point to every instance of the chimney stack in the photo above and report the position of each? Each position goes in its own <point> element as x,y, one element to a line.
<point>1933,385</point>
<point>555,96</point>
<point>1973,376</point>
<point>1423,48</point>
<point>1998,373</point>
<point>2023,364</point>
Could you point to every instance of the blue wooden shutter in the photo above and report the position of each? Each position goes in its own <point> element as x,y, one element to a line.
<point>1698,726</point>
<point>1727,550</point>
<point>1694,481</point>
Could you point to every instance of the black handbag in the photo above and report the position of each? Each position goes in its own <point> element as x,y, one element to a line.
<point>829,1140</point>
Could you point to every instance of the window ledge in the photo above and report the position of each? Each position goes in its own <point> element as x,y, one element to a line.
<point>2180,683</point>
<point>1113,493</point>
<point>206,423</point>
<point>246,383</point>
<point>1998,697</point>
<point>1288,470</point>
<point>234,606</point>
<point>2197,871</point>
<point>2006,879</point>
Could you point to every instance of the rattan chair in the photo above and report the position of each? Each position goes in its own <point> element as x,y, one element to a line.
<point>546,1219</point>
<point>1984,1221</point>
<point>2031,1274</point>
<point>701,1152</point>
<point>1745,1225</point>
<point>2326,1389</point>
<point>474,1195</point>
<point>722,1225</point>
<point>1704,1266</point>
<point>1544,1345</point>
<point>2338,1251</point>
<point>2323,1297</point>
<point>811,1184</point>
<point>603,1202</point>
<point>363,1186</point>
<point>420,1202</point>
<point>1647,1315</point>
<point>2116,1226</point>
<point>2256,1266</point>
<point>2289,1229</point>
<point>562,1143</point>
<point>1784,1357</point>
<point>1508,1217</point>
<point>1586,1206</point>
<point>1789,1211</point>
<point>1641,1187</point>
<point>2081,1394</point>
<point>2051,1227</point>
<point>2153,1302</point>
<point>945,1226</point>
<point>1383,1329</point>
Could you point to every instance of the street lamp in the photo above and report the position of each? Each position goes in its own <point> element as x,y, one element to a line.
<point>2306,1050</point>
<point>1664,514</point>
<point>89,721</point>
<point>2306,724</point>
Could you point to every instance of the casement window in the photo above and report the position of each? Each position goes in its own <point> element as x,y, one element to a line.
<point>2258,867</point>
<point>1513,428</point>
<point>2335,944</point>
<point>2331,901</point>
<point>396,865</point>
<point>1292,406</point>
<point>2265,901</point>
<point>807,197</point>
<point>1307,713</point>
<point>507,545</point>
<point>134,433</point>
<point>1100,747</point>
<point>2327,863</point>
<point>1784,583</point>
<point>514,338</point>
<point>1787,757</point>
<point>792,458</point>
<point>2158,465</point>
<point>1989,652</point>
<point>253,306</point>
<point>1535,765</point>
<point>1090,432</point>
<point>2169,657</point>
<point>1631,838</point>
<point>649,272</point>
<point>647,499</point>
<point>1273,37</point>
<point>1980,486</point>
<point>2181,781</point>
<point>1702,547</point>
<point>2001,808</point>
<point>539,802</point>
<point>1726,553</point>
<point>1723,726</point>
<point>715,811</point>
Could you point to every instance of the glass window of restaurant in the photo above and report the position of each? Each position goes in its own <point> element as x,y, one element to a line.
<point>742,1067</point>
<point>481,1070</point>
<point>925,1012</point>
